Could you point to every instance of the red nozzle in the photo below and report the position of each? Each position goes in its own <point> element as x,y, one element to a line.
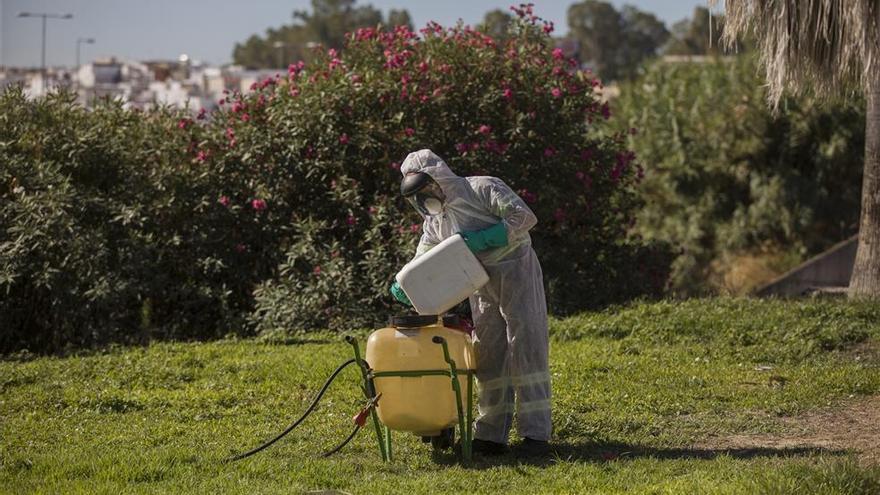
<point>360,418</point>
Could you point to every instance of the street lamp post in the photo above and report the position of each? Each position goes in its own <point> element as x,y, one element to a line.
<point>79,42</point>
<point>44,16</point>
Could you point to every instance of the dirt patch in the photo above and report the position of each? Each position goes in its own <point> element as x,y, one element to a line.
<point>854,425</point>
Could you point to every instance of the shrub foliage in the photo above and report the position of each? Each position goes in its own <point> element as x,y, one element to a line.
<point>280,210</point>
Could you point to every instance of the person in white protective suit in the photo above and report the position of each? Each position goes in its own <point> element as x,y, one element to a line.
<point>509,312</point>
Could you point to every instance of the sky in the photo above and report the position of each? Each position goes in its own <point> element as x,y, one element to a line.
<point>207,30</point>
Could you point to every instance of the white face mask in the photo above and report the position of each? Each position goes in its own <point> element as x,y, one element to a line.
<point>433,205</point>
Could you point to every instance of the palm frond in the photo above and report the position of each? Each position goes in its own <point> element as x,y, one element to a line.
<point>829,46</point>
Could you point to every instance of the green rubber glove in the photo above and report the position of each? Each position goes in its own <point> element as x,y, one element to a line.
<point>398,294</point>
<point>481,240</point>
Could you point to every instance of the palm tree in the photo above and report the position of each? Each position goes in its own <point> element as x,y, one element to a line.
<point>829,47</point>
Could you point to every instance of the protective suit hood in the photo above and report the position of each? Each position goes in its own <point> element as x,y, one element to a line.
<point>428,162</point>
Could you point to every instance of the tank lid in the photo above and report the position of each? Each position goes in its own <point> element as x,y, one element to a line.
<point>413,321</point>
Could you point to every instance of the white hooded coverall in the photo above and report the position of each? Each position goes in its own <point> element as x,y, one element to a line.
<point>510,311</point>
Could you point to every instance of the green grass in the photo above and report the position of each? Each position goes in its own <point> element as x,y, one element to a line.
<point>634,389</point>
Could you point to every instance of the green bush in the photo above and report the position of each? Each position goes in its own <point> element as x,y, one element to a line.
<point>728,178</point>
<point>101,236</point>
<point>281,211</point>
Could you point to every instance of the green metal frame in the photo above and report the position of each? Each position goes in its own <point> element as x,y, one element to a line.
<point>465,415</point>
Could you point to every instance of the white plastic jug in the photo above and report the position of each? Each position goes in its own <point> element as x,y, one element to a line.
<point>441,278</point>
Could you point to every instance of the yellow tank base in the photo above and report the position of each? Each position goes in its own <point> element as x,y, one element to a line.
<point>423,372</point>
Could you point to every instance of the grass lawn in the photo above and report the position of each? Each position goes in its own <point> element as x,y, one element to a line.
<point>644,400</point>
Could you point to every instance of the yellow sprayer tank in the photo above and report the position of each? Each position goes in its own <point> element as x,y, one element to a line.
<point>423,405</point>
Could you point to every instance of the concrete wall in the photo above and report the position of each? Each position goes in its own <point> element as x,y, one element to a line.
<point>827,270</point>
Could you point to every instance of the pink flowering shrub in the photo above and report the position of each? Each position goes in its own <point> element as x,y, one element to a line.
<point>324,143</point>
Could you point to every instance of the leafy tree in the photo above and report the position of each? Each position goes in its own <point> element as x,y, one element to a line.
<point>699,35</point>
<point>615,43</point>
<point>399,18</point>
<point>326,25</point>
<point>496,23</point>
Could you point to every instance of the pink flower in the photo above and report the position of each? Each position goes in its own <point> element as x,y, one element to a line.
<point>409,131</point>
<point>268,81</point>
<point>461,147</point>
<point>414,227</point>
<point>557,53</point>
<point>606,111</point>
<point>201,115</point>
<point>237,107</point>
<point>240,248</point>
<point>224,200</point>
<point>182,123</point>
<point>343,139</point>
<point>579,175</point>
<point>355,78</point>
<point>507,94</point>
<point>485,130</point>
<point>586,154</point>
<point>245,117</point>
<point>528,196</point>
<point>372,210</point>
<point>549,151</point>
<point>624,158</point>
<point>316,270</point>
<point>559,215</point>
<point>201,156</point>
<point>258,204</point>
<point>556,92</point>
<point>294,92</point>
<point>395,165</point>
<point>351,220</point>
<point>423,67</point>
<point>548,27</point>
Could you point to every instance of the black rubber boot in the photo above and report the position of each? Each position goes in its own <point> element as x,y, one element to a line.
<point>533,448</point>
<point>487,448</point>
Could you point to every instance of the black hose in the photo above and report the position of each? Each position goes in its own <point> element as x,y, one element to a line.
<point>336,449</point>
<point>302,418</point>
